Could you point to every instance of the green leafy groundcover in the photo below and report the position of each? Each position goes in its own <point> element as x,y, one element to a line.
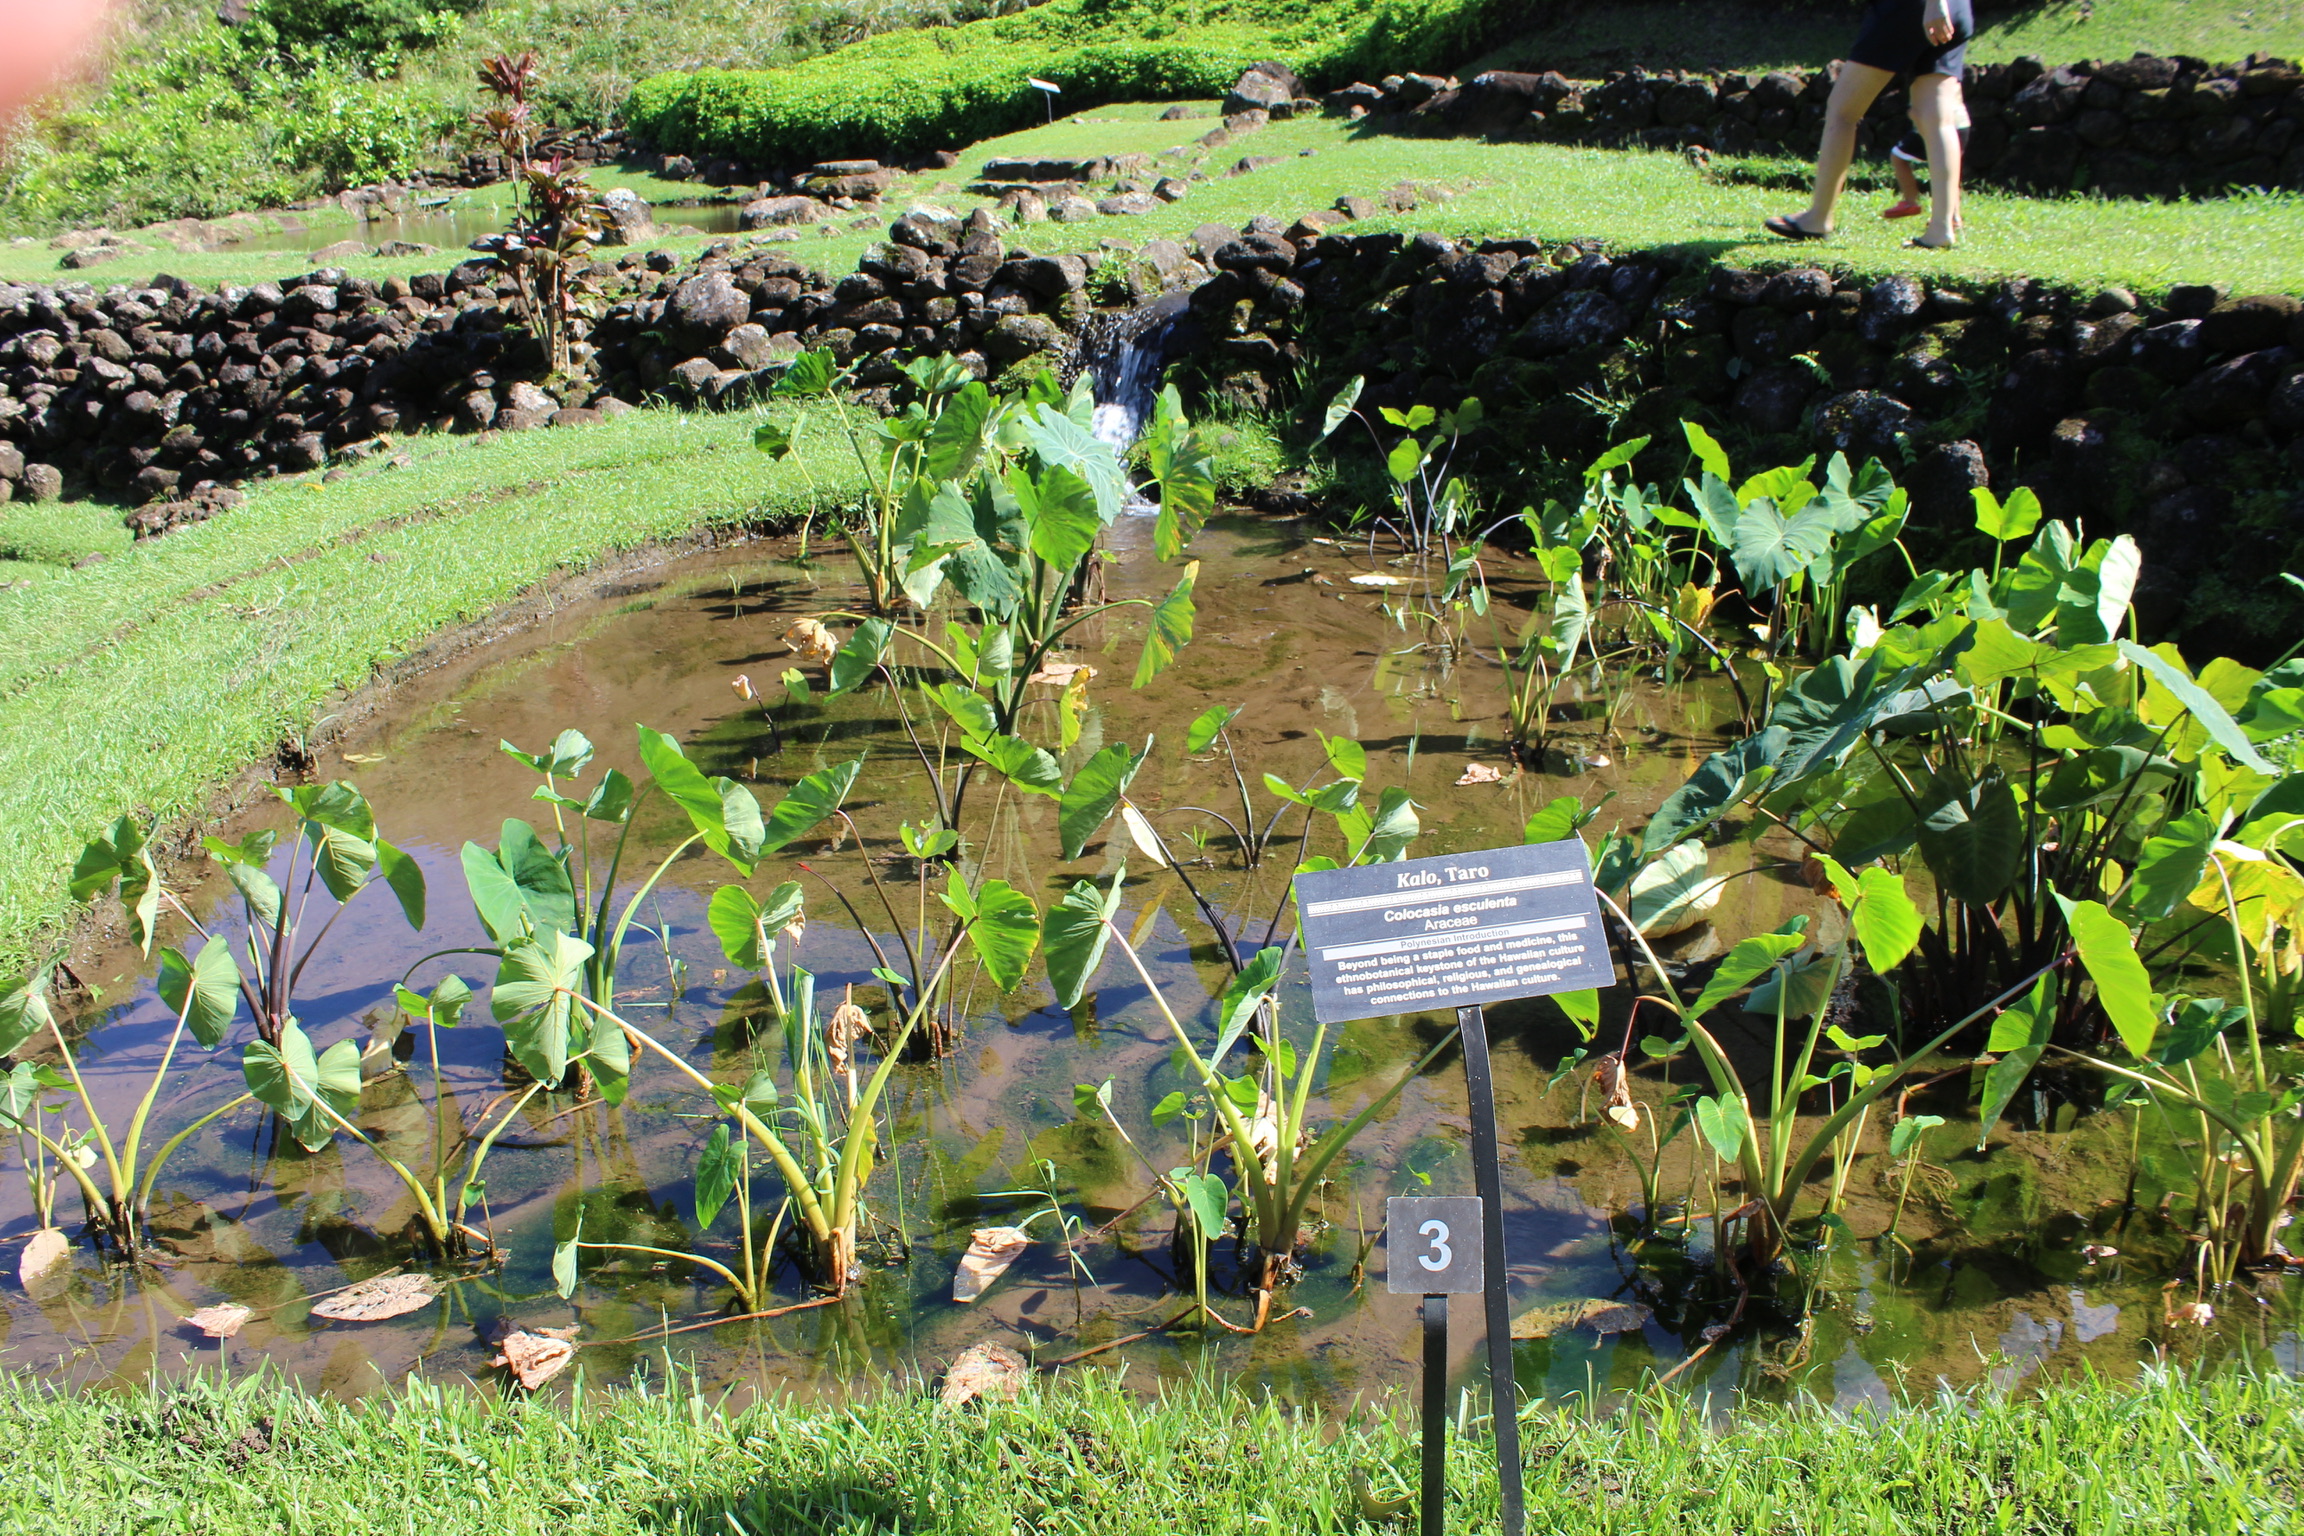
<point>939,87</point>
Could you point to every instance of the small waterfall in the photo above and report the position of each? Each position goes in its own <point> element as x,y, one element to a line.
<point>1123,355</point>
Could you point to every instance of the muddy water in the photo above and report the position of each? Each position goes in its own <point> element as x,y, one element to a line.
<point>1991,1283</point>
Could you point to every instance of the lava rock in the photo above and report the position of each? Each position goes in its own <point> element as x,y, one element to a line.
<point>1583,317</point>
<point>42,482</point>
<point>710,303</point>
<point>1865,424</point>
<point>2250,324</point>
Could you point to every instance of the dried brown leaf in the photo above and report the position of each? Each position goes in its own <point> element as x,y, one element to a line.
<point>990,1251</point>
<point>1616,1084</point>
<point>534,1358</point>
<point>812,642</point>
<point>48,1250</point>
<point>1480,773</point>
<point>221,1321</point>
<point>1061,673</point>
<point>371,1301</point>
<point>983,1370</point>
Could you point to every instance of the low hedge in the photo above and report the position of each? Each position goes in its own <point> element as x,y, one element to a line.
<point>903,92</point>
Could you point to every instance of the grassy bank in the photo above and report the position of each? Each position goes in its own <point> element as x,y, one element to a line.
<point>1626,200</point>
<point>144,681</point>
<point>2170,1455</point>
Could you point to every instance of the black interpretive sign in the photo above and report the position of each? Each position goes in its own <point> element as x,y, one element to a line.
<point>1432,1245</point>
<point>1451,932</point>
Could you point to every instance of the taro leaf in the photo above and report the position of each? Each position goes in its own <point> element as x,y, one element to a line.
<point>1884,919</point>
<point>1392,829</point>
<point>1063,443</point>
<point>1709,454</point>
<point>1144,835</point>
<point>1582,1008</point>
<point>534,999</point>
<point>519,887</point>
<point>1004,932</point>
<point>1973,837</point>
<point>23,1010</point>
<point>406,878</point>
<point>1719,783</point>
<point>564,1260</point>
<point>772,440</point>
<point>1561,818</point>
<point>2212,716</point>
<point>1242,995</point>
<point>723,812</point>
<point>1092,1101</point>
<point>1571,617</point>
<point>1030,768</point>
<point>1723,1122</point>
<point>204,992</point>
<point>2108,952</point>
<point>1073,935</point>
<point>809,375</point>
<point>1170,1106</point>
<point>855,660</point>
<point>1093,793</point>
<point>372,1301</point>
<point>611,798</point>
<point>1801,989</point>
<point>2170,866</point>
<point>341,860</point>
<point>1346,756</point>
<point>991,1250</point>
<point>1201,734</point>
<point>718,1167</point>
<point>1913,711</point>
<point>1771,548</point>
<point>1340,406</point>
<point>1405,459</point>
<point>2010,520</point>
<point>968,709</point>
<point>1170,628</point>
<point>956,442</point>
<point>564,759</point>
<point>1184,466</point>
<point>2019,1036</point>
<point>295,1082</point>
<point>734,918</point>
<point>1206,1196</point>
<point>1905,1137</point>
<point>534,1358</point>
<point>1742,966</point>
<point>807,803</point>
<point>1825,712</point>
<point>1674,891</point>
<point>2195,1028</point>
<point>117,855</point>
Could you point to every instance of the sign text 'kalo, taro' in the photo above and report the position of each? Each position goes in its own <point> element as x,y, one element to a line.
<point>1429,934</point>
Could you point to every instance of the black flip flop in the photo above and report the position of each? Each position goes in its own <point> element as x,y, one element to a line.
<point>1784,229</point>
<point>1918,244</point>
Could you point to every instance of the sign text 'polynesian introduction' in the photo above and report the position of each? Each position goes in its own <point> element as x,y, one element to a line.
<point>1428,934</point>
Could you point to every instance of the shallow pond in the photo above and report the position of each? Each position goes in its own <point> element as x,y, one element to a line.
<point>1994,1284</point>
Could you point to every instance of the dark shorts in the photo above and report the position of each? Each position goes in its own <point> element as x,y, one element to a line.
<point>1894,40</point>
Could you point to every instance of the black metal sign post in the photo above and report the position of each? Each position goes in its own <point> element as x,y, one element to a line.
<point>1428,1251</point>
<point>1457,931</point>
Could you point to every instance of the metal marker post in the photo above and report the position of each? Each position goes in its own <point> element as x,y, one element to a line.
<point>1488,1179</point>
<point>1435,1483</point>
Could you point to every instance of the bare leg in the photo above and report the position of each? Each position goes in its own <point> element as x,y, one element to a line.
<point>1906,183</point>
<point>1852,96</point>
<point>1932,99</point>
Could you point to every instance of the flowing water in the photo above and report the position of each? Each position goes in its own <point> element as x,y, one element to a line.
<point>1996,1286</point>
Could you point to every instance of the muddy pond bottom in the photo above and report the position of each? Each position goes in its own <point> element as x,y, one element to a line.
<point>1997,1277</point>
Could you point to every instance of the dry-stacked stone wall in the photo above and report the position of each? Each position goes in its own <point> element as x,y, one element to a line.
<point>2141,127</point>
<point>2179,419</point>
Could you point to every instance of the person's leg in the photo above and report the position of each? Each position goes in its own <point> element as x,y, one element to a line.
<point>1906,183</point>
<point>1852,96</point>
<point>1934,108</point>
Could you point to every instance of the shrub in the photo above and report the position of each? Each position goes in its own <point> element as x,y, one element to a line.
<point>903,92</point>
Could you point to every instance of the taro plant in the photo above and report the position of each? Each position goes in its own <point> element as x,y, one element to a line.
<point>1429,501</point>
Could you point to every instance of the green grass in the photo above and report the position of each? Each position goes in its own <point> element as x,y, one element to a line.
<point>143,682</point>
<point>59,533</point>
<point>1081,1455</point>
<point>1710,34</point>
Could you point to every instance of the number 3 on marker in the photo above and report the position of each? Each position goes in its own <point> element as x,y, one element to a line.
<point>1441,1256</point>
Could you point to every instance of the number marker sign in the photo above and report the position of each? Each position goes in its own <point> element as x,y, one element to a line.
<point>1457,931</point>
<point>1429,934</point>
<point>1432,1245</point>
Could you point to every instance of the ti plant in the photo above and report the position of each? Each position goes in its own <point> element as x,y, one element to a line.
<point>559,216</point>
